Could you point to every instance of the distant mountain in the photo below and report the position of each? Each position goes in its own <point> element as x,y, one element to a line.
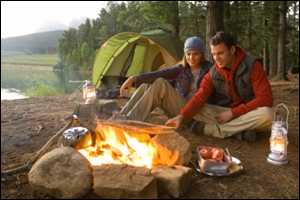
<point>43,42</point>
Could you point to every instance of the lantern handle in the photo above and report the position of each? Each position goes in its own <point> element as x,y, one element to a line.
<point>287,112</point>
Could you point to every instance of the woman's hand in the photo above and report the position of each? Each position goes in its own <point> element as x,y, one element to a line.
<point>175,122</point>
<point>126,86</point>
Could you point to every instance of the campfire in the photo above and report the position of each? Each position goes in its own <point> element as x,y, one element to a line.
<point>116,145</point>
<point>118,159</point>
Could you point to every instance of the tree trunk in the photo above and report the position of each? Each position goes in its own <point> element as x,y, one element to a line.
<point>274,37</point>
<point>227,12</point>
<point>266,57</point>
<point>197,19</point>
<point>295,45</point>
<point>176,19</point>
<point>266,60</point>
<point>214,21</point>
<point>281,70</point>
<point>250,28</point>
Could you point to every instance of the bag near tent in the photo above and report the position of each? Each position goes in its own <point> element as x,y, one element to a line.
<point>126,54</point>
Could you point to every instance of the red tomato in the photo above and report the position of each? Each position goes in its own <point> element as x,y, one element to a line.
<point>206,153</point>
<point>217,154</point>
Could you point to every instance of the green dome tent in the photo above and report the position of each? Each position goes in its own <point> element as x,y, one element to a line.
<point>126,54</point>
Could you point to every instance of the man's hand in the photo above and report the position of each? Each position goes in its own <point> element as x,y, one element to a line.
<point>224,117</point>
<point>175,122</point>
<point>126,86</point>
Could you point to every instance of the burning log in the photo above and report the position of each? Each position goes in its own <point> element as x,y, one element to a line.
<point>129,142</point>
<point>122,155</point>
<point>138,126</point>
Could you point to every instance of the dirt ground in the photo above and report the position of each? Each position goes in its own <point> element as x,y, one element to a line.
<point>26,125</point>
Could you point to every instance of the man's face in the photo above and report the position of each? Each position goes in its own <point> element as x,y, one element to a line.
<point>222,55</point>
<point>193,58</point>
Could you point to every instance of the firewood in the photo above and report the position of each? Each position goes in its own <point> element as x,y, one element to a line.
<point>137,126</point>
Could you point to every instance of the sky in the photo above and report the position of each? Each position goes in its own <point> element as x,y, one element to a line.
<point>26,17</point>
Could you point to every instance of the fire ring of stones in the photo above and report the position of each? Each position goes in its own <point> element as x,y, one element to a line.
<point>66,172</point>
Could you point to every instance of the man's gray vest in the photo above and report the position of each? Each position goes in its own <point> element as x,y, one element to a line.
<point>242,84</point>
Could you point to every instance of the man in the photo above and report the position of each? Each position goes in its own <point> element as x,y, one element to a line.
<point>168,88</point>
<point>239,93</point>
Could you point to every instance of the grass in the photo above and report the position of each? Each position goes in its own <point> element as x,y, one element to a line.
<point>16,76</point>
<point>43,90</point>
<point>33,74</point>
<point>34,59</point>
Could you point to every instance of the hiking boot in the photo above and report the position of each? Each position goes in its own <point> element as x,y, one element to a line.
<point>247,135</point>
<point>239,136</point>
<point>197,127</point>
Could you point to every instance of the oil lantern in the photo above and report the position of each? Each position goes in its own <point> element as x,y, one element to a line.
<point>278,139</point>
<point>89,92</point>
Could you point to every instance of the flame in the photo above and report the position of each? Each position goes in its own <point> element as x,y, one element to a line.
<point>278,144</point>
<point>116,146</point>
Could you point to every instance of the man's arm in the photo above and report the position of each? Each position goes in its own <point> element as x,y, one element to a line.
<point>262,92</point>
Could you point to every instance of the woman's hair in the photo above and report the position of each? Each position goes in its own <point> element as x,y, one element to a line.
<point>184,62</point>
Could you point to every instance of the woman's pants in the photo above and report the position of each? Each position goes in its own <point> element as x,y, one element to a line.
<point>161,94</point>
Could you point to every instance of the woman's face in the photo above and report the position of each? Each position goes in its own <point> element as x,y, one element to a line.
<point>193,58</point>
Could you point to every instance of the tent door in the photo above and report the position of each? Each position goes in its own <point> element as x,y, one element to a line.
<point>137,63</point>
<point>128,62</point>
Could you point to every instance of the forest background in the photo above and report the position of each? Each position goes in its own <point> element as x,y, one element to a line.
<point>267,29</point>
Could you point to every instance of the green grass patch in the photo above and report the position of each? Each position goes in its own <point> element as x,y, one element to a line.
<point>43,90</point>
<point>34,59</point>
<point>18,77</point>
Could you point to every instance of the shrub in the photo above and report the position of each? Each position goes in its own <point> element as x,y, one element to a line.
<point>43,90</point>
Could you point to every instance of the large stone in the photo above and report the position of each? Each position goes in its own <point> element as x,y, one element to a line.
<point>107,106</point>
<point>173,181</point>
<point>173,141</point>
<point>87,114</point>
<point>62,173</point>
<point>124,181</point>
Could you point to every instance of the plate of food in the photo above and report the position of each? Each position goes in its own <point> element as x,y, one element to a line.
<point>215,161</point>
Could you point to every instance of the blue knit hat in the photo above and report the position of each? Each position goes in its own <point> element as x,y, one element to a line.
<point>194,43</point>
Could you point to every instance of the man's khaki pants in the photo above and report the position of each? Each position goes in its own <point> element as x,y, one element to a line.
<point>161,94</point>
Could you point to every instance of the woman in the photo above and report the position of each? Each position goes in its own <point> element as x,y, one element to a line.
<point>169,88</point>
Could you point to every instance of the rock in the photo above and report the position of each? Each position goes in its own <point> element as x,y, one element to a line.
<point>124,181</point>
<point>107,106</point>
<point>174,180</point>
<point>86,114</point>
<point>106,92</point>
<point>174,141</point>
<point>62,173</point>
<point>85,110</point>
<point>76,96</point>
